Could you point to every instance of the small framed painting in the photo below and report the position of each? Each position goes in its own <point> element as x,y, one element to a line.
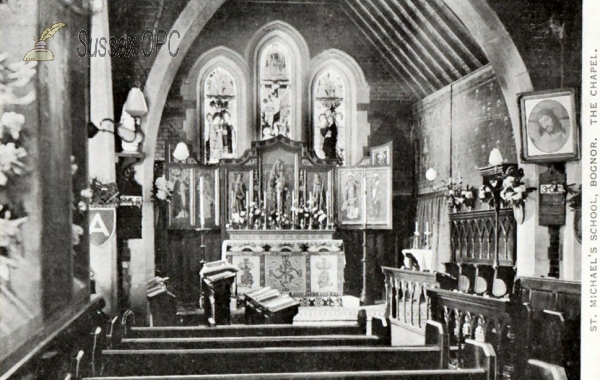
<point>382,155</point>
<point>549,131</point>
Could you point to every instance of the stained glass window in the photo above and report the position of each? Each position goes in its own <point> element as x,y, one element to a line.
<point>275,91</point>
<point>219,116</point>
<point>329,113</point>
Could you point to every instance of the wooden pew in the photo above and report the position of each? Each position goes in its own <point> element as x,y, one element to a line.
<point>480,365</point>
<point>269,359</point>
<point>247,342</point>
<point>240,330</point>
<point>539,370</point>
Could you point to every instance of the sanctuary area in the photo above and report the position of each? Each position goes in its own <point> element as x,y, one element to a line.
<point>306,189</point>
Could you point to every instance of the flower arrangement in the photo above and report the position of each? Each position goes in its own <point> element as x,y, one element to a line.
<point>514,192</point>
<point>102,194</point>
<point>13,77</point>
<point>486,195</point>
<point>162,191</point>
<point>453,193</point>
<point>575,202</point>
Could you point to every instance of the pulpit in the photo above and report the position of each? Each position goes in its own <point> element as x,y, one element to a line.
<point>217,282</point>
<point>269,306</point>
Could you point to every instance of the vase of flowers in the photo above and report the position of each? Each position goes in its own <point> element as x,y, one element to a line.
<point>514,192</point>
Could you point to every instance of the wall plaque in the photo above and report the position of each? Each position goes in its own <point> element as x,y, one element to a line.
<point>553,197</point>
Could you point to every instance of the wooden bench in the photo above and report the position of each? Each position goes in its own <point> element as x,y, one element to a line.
<point>268,359</point>
<point>253,341</point>
<point>479,365</point>
<point>240,330</point>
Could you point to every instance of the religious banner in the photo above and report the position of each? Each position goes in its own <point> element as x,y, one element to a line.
<point>102,225</point>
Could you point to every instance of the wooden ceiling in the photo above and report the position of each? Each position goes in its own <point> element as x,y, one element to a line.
<point>424,44</point>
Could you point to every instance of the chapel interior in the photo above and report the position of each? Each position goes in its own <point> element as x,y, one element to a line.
<point>290,189</point>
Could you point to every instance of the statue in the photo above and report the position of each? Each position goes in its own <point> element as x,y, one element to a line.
<point>317,193</point>
<point>239,193</point>
<point>278,187</point>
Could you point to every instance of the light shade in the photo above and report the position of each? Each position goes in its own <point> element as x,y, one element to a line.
<point>181,152</point>
<point>495,157</point>
<point>431,174</point>
<point>135,105</point>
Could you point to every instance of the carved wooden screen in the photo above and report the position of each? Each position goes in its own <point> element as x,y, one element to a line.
<point>473,237</point>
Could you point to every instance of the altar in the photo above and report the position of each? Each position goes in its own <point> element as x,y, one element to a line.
<point>308,265</point>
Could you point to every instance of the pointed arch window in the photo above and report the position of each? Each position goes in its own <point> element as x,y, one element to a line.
<point>330,109</point>
<point>275,91</point>
<point>220,115</point>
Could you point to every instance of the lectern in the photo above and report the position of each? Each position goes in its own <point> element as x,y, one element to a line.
<point>217,278</point>
<point>269,306</point>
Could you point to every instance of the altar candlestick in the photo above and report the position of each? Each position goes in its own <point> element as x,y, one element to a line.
<point>201,202</point>
<point>266,210</point>
<point>327,206</point>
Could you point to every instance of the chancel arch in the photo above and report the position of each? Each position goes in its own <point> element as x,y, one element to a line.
<point>215,85</point>
<point>279,56</point>
<point>334,70</point>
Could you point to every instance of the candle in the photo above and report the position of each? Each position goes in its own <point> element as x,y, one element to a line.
<point>327,206</point>
<point>416,226</point>
<point>201,202</point>
<point>427,227</point>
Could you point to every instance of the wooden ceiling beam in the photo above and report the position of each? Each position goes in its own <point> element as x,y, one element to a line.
<point>398,75</point>
<point>438,40</point>
<point>364,25</point>
<point>421,41</point>
<point>450,25</point>
<point>389,42</point>
<point>420,55</point>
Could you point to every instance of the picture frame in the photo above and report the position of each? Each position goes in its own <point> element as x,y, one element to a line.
<point>549,130</point>
<point>365,197</point>
<point>382,155</point>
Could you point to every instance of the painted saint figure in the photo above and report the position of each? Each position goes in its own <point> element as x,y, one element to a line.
<point>329,133</point>
<point>375,196</point>
<point>180,189</point>
<point>351,202</point>
<point>317,193</point>
<point>239,193</point>
<point>278,187</point>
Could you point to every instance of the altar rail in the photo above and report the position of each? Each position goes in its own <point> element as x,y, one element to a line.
<point>473,237</point>
<point>406,297</point>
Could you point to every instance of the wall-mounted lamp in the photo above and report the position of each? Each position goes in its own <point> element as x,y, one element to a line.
<point>129,129</point>
<point>431,174</point>
<point>495,157</point>
<point>181,152</point>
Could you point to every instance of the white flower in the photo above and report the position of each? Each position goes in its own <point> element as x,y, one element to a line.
<point>467,194</point>
<point>9,231</point>
<point>73,166</point>
<point>76,232</point>
<point>87,193</point>
<point>9,160</point>
<point>23,72</point>
<point>509,181</point>
<point>13,122</point>
<point>322,217</point>
<point>161,182</point>
<point>161,195</point>
<point>520,189</point>
<point>82,205</point>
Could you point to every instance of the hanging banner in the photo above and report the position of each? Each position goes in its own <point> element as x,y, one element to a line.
<point>102,225</point>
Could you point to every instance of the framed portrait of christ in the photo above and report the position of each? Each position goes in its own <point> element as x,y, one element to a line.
<point>549,131</point>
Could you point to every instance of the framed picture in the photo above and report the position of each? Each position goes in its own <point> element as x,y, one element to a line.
<point>365,197</point>
<point>382,155</point>
<point>549,129</point>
